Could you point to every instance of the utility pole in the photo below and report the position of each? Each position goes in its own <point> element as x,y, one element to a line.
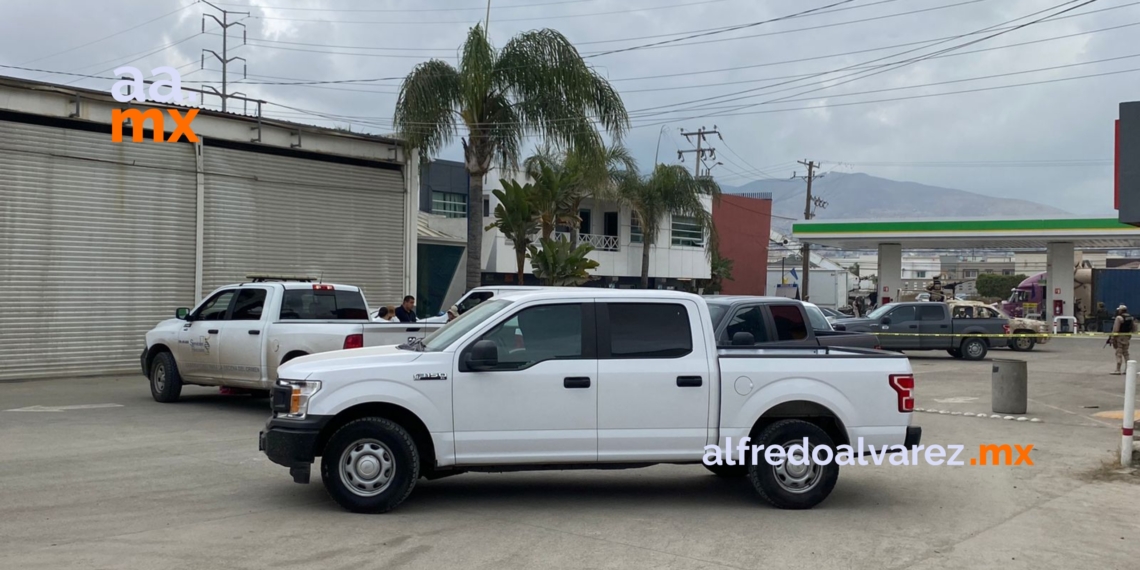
<point>487,28</point>
<point>225,60</point>
<point>700,150</point>
<point>805,250</point>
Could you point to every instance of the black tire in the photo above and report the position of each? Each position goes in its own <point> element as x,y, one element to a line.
<point>974,349</point>
<point>954,352</point>
<point>774,488</point>
<point>1022,343</point>
<point>165,381</point>
<point>728,471</point>
<point>379,439</point>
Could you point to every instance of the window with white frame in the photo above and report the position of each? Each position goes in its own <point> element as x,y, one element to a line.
<point>920,274</point>
<point>970,273</point>
<point>449,204</point>
<point>687,231</point>
<point>635,233</point>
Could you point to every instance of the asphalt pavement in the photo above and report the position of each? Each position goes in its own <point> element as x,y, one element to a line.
<point>122,482</point>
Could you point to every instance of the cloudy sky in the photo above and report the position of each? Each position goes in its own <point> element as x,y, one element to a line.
<point>855,84</point>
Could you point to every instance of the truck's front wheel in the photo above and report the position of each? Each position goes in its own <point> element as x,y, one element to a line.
<point>1023,343</point>
<point>799,484</point>
<point>165,381</point>
<point>370,465</point>
<point>974,349</point>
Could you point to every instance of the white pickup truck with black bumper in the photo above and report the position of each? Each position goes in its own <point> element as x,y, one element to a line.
<point>578,378</point>
<point>239,335</point>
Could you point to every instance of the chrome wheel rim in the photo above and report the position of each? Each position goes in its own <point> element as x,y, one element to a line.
<point>798,478</point>
<point>1024,343</point>
<point>367,467</point>
<point>974,349</point>
<point>160,377</point>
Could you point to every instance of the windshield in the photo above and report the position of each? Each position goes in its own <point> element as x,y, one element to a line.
<point>717,311</point>
<point>466,322</point>
<point>817,318</point>
<point>878,313</point>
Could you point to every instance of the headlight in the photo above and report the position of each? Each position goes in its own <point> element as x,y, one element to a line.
<point>301,392</point>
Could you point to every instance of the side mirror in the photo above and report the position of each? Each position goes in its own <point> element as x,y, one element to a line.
<point>839,327</point>
<point>885,320</point>
<point>483,355</point>
<point>181,313</point>
<point>743,339</point>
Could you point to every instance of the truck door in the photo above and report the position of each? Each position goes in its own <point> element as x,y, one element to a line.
<point>539,404</point>
<point>902,330</point>
<point>240,341</point>
<point>933,320</point>
<point>653,382</point>
<point>197,353</point>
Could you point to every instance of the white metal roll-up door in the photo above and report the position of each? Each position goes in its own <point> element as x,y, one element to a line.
<point>96,247</point>
<point>283,215</point>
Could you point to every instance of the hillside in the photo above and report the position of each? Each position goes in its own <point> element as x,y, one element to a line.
<point>861,196</point>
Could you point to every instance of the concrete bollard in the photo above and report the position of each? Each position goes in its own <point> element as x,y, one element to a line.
<point>1010,386</point>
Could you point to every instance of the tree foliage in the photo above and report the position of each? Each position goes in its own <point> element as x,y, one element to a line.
<point>560,263</point>
<point>592,172</point>
<point>517,218</point>
<point>537,84</point>
<point>991,285</point>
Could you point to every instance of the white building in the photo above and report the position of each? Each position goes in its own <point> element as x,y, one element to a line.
<point>101,240</point>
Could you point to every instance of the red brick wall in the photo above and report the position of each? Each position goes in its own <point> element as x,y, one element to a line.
<point>744,226</point>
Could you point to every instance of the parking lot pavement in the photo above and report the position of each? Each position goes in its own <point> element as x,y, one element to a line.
<point>143,485</point>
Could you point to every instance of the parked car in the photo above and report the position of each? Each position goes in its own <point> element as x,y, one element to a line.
<point>578,378</point>
<point>778,321</point>
<point>929,326</point>
<point>832,314</point>
<point>240,334</point>
<point>1017,326</point>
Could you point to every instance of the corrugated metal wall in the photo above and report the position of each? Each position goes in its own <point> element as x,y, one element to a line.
<point>96,246</point>
<point>268,214</point>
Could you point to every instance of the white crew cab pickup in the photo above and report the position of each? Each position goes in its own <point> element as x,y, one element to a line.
<point>566,378</point>
<point>240,334</point>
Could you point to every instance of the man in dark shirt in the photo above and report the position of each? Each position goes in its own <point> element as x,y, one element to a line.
<point>406,313</point>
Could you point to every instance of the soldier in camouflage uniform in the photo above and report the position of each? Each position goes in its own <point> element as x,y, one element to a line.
<point>1122,327</point>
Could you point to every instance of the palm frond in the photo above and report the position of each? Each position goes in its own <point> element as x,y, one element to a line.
<point>425,109</point>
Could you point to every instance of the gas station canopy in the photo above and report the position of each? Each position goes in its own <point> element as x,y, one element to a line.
<point>1083,233</point>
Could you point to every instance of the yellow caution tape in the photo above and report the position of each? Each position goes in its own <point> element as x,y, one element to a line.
<point>1010,335</point>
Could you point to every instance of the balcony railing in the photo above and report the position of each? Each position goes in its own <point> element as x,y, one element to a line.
<point>600,242</point>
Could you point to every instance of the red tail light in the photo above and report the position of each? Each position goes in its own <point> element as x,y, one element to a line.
<point>354,341</point>
<point>322,287</point>
<point>903,385</point>
<point>1005,329</point>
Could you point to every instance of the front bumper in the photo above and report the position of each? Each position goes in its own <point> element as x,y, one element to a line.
<point>293,443</point>
<point>142,363</point>
<point>913,437</point>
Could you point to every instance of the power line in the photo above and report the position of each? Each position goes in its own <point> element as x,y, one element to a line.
<point>92,42</point>
<point>408,10</point>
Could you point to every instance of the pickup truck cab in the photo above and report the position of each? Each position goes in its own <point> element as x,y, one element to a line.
<point>930,326</point>
<point>778,321</point>
<point>240,334</point>
<point>567,378</point>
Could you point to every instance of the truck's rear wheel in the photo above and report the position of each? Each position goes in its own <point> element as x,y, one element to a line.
<point>789,486</point>
<point>974,349</point>
<point>165,381</point>
<point>370,465</point>
<point>1023,343</point>
<point>728,471</point>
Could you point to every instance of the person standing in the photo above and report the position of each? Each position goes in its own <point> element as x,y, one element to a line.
<point>406,313</point>
<point>1122,328</point>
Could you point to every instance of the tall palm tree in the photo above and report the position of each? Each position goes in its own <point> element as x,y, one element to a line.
<point>552,199</point>
<point>516,218</point>
<point>670,190</point>
<point>592,172</point>
<point>537,83</point>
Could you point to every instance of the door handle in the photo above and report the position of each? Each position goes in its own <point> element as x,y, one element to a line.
<point>576,382</point>
<point>213,331</point>
<point>413,330</point>
<point>689,381</point>
<point>914,326</point>
<point>943,326</point>
<point>255,331</point>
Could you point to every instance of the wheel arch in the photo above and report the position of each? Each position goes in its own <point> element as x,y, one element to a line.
<point>805,410</point>
<point>154,351</point>
<point>407,419</point>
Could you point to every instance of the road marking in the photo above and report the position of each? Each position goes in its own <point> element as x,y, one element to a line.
<point>958,400</point>
<point>64,408</point>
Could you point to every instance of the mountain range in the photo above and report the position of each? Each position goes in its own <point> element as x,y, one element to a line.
<point>862,196</point>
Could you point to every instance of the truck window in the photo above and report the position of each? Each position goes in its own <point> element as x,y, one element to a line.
<point>749,320</point>
<point>902,314</point>
<point>649,330</point>
<point>249,305</point>
<point>215,308</point>
<point>472,300</point>
<point>323,305</point>
<point>538,334</point>
<point>931,313</point>
<point>789,321</point>
<point>816,317</point>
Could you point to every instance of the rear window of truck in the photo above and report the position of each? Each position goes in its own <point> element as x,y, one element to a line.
<point>307,304</point>
<point>789,322</point>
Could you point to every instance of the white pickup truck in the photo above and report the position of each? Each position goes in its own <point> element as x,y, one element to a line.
<point>578,378</point>
<point>240,334</point>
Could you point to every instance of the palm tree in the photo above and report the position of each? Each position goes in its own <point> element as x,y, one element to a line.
<point>552,199</point>
<point>592,172</point>
<point>516,217</point>
<point>537,83</point>
<point>559,264</point>
<point>670,190</point>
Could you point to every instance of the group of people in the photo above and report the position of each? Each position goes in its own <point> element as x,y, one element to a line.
<point>406,312</point>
